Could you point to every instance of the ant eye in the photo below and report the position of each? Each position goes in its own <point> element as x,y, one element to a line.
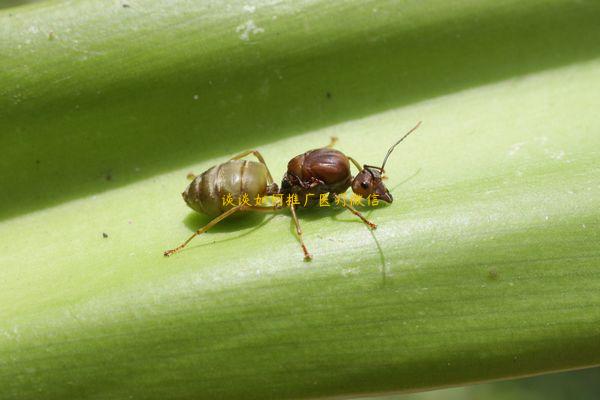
<point>364,185</point>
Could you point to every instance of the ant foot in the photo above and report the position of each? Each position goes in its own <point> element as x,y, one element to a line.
<point>168,253</point>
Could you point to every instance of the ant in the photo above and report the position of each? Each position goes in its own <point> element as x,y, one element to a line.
<point>317,172</point>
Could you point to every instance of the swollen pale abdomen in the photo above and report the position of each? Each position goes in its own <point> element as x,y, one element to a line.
<point>206,193</point>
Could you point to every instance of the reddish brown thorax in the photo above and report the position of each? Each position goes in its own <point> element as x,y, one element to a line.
<point>317,172</point>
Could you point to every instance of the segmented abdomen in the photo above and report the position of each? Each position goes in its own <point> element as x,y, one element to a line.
<point>208,191</point>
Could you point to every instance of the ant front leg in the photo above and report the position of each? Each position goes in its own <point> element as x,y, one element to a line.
<point>342,202</point>
<point>356,164</point>
<point>359,168</point>
<point>307,256</point>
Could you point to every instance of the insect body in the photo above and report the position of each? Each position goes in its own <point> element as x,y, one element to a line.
<point>234,178</point>
<point>324,171</point>
<point>327,171</point>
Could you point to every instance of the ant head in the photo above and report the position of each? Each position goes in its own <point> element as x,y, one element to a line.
<point>369,181</point>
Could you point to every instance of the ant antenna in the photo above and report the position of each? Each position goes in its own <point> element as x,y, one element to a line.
<point>395,144</point>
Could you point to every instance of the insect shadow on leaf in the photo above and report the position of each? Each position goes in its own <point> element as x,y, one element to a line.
<point>252,220</point>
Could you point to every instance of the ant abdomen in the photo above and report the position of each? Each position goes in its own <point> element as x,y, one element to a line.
<point>208,192</point>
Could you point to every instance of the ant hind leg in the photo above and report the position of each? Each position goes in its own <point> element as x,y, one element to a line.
<point>219,219</point>
<point>202,230</point>
<point>260,158</point>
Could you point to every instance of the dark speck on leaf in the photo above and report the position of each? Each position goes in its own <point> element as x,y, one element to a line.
<point>328,94</point>
<point>493,274</point>
<point>108,176</point>
<point>126,6</point>
<point>37,162</point>
<point>104,235</point>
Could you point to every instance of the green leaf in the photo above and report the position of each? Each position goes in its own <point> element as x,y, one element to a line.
<point>581,384</point>
<point>484,267</point>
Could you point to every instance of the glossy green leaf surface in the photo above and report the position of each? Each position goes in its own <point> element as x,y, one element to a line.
<point>484,267</point>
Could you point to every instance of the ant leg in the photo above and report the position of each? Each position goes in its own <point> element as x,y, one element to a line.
<point>219,219</point>
<point>314,182</point>
<point>307,256</point>
<point>260,158</point>
<point>356,164</point>
<point>355,212</point>
<point>202,230</point>
<point>304,185</point>
<point>333,141</point>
